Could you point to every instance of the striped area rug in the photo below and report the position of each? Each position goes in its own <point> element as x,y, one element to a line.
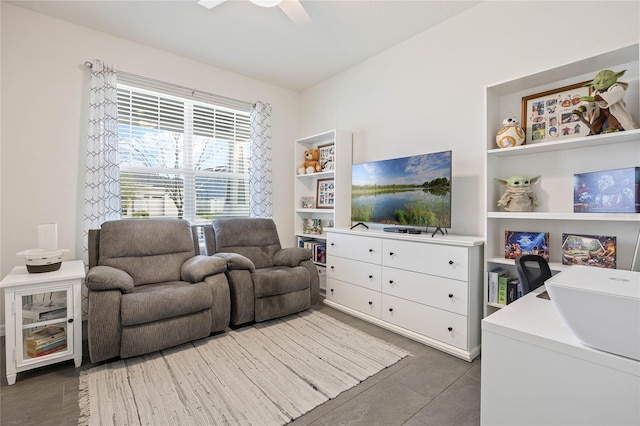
<point>267,374</point>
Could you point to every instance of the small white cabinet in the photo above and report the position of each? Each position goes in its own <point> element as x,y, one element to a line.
<point>426,288</point>
<point>43,318</point>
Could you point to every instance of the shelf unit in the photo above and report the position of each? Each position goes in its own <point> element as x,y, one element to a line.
<point>556,163</point>
<point>306,186</point>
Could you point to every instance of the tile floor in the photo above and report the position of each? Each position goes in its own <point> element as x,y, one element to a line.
<point>428,388</point>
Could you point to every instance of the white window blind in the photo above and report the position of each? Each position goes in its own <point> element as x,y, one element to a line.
<point>181,158</point>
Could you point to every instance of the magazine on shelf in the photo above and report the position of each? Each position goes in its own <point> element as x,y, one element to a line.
<point>39,310</point>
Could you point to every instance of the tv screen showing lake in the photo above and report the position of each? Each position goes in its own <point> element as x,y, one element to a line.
<point>404,191</point>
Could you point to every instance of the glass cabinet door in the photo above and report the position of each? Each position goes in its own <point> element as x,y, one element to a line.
<point>46,321</point>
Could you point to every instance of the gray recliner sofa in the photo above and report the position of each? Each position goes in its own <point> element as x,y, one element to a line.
<point>149,288</point>
<point>266,281</point>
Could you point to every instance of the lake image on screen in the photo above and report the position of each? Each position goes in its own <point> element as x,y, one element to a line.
<point>403,191</point>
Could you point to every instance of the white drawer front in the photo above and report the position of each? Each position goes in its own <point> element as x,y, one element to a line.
<point>444,261</point>
<point>354,297</point>
<point>443,293</point>
<point>355,247</point>
<point>355,272</point>
<point>435,323</point>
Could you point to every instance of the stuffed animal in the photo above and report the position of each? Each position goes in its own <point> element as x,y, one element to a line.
<point>511,134</point>
<point>518,197</point>
<point>311,162</point>
<point>609,112</point>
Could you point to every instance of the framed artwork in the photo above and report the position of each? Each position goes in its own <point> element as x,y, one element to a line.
<point>518,242</point>
<point>589,250</point>
<point>547,116</point>
<point>325,194</point>
<point>327,156</point>
<point>312,226</point>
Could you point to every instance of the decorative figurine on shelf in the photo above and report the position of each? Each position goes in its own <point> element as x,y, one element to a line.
<point>518,197</point>
<point>511,134</point>
<point>311,162</point>
<point>609,111</point>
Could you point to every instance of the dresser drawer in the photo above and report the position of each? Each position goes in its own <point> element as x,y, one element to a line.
<point>435,259</point>
<point>437,324</point>
<point>354,297</point>
<point>354,271</point>
<point>354,247</point>
<point>442,293</point>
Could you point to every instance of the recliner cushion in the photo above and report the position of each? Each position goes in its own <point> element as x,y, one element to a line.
<point>153,302</point>
<point>279,280</point>
<point>254,238</point>
<point>150,250</point>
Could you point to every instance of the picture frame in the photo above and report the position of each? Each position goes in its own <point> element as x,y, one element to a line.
<point>519,242</point>
<point>547,116</point>
<point>589,250</point>
<point>327,156</point>
<point>325,194</point>
<point>312,226</point>
<point>306,202</point>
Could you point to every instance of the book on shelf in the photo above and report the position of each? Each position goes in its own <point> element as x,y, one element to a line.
<point>512,290</point>
<point>493,283</point>
<point>59,347</point>
<point>503,280</point>
<point>318,249</point>
<point>40,310</point>
<point>47,335</point>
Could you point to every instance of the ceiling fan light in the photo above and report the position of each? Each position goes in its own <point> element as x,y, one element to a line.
<point>266,3</point>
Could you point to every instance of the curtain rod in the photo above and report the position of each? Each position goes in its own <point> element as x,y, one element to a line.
<point>193,91</point>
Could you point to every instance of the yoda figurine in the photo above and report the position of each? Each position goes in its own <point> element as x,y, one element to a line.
<point>518,197</point>
<point>607,104</point>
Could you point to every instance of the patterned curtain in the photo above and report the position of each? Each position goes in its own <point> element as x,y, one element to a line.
<point>102,176</point>
<point>260,180</point>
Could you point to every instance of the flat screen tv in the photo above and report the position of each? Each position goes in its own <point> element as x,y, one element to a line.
<point>408,191</point>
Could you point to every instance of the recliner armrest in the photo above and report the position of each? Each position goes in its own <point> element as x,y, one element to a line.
<point>237,261</point>
<point>199,267</point>
<point>291,256</point>
<point>101,278</point>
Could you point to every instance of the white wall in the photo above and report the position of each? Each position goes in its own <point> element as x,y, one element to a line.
<point>43,122</point>
<point>427,94</point>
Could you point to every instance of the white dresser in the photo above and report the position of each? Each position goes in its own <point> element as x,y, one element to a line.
<point>426,288</point>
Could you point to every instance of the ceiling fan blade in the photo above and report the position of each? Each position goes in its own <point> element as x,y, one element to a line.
<point>294,10</point>
<point>210,4</point>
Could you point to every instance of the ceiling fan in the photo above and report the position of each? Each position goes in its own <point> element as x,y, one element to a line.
<point>292,8</point>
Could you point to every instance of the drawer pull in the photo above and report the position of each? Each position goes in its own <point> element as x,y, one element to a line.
<point>390,309</point>
<point>370,303</point>
<point>332,267</point>
<point>370,276</point>
<point>390,253</point>
<point>451,295</point>
<point>451,262</point>
<point>331,291</point>
<point>370,250</point>
<point>333,244</point>
<point>390,281</point>
<point>450,328</point>
<point>70,320</point>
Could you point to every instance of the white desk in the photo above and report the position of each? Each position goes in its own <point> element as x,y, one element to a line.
<point>536,372</point>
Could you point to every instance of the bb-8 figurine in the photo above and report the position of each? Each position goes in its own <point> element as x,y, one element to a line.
<point>511,134</point>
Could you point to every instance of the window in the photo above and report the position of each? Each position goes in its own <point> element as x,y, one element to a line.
<point>181,157</point>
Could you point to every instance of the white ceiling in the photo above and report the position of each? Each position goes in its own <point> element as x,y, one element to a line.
<point>259,42</point>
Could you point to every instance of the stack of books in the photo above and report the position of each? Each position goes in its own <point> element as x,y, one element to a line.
<point>503,289</point>
<point>45,310</point>
<point>46,341</point>
<point>318,250</point>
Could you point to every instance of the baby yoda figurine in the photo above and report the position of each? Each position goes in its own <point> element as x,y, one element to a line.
<point>518,197</point>
<point>609,110</point>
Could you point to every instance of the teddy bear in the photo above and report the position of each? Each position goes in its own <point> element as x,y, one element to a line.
<point>311,162</point>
